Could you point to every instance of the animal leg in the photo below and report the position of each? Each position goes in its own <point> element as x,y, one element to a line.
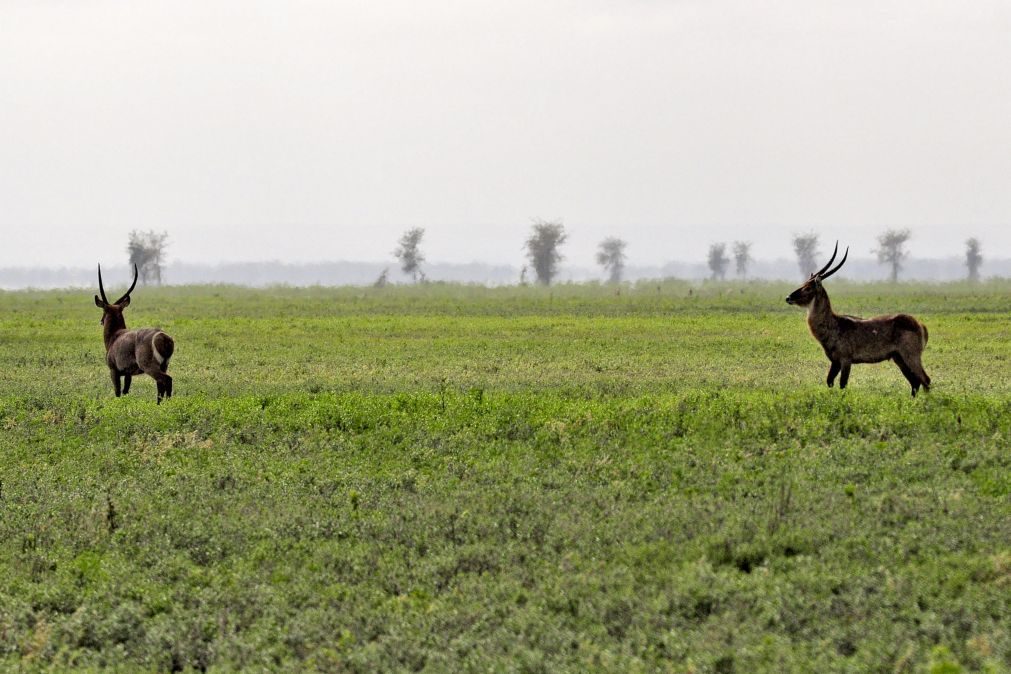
<point>127,379</point>
<point>844,375</point>
<point>833,370</point>
<point>917,367</point>
<point>908,373</point>
<point>115,382</point>
<point>164,383</point>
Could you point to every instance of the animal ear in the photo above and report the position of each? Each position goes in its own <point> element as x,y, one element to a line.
<point>99,303</point>
<point>125,302</point>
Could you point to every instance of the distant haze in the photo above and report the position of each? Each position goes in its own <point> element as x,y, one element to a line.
<point>302,130</point>
<point>340,273</point>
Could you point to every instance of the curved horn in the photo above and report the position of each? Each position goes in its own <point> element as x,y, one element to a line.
<point>827,274</point>
<point>830,260</point>
<point>132,286</point>
<point>101,289</point>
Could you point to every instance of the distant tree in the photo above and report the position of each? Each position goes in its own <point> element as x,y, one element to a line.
<point>742,257</point>
<point>611,257</point>
<point>891,250</point>
<point>973,258</point>
<point>718,260</point>
<point>147,251</point>
<point>523,275</point>
<point>409,255</point>
<point>383,279</point>
<point>542,249</point>
<point>806,248</point>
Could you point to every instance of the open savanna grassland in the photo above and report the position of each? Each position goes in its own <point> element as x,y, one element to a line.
<point>452,478</point>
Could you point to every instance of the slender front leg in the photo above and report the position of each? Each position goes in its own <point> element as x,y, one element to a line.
<point>844,375</point>
<point>126,383</point>
<point>833,370</point>
<point>115,381</point>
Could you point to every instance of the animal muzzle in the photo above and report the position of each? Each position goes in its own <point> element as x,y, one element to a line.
<point>789,300</point>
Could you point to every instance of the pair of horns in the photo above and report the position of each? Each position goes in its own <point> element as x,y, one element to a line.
<point>822,274</point>
<point>101,288</point>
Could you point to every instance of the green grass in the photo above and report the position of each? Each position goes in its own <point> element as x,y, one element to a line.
<point>456,478</point>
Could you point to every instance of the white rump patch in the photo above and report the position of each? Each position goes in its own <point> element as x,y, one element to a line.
<point>154,348</point>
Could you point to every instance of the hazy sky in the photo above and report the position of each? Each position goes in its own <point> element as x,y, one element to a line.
<point>313,130</point>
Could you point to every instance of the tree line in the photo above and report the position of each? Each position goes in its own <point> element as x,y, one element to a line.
<point>891,251</point>
<point>146,250</point>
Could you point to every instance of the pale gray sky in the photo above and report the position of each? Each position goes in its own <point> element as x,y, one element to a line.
<point>314,130</point>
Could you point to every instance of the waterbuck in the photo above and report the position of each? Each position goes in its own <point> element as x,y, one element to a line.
<point>848,339</point>
<point>130,352</point>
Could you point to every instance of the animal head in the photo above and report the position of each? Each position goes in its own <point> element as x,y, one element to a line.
<point>805,294</point>
<point>112,312</point>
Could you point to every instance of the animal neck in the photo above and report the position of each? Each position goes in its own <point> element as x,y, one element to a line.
<point>114,325</point>
<point>820,316</point>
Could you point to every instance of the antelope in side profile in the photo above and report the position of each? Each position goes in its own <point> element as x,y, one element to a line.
<point>848,339</point>
<point>129,352</point>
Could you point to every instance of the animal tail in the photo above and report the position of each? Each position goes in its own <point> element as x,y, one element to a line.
<point>163,347</point>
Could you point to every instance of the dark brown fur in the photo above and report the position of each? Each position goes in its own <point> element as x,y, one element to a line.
<point>848,339</point>
<point>132,352</point>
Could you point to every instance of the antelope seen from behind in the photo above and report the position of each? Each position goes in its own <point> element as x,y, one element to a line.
<point>848,339</point>
<point>130,352</point>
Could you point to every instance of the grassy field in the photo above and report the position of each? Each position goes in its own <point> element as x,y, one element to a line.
<point>452,478</point>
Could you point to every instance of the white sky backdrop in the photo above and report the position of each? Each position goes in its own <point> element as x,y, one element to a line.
<point>311,129</point>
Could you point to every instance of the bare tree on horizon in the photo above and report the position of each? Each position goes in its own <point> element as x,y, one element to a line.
<point>718,261</point>
<point>891,250</point>
<point>542,249</point>
<point>973,258</point>
<point>147,253</point>
<point>611,257</point>
<point>806,248</point>
<point>410,255</point>
<point>742,257</point>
